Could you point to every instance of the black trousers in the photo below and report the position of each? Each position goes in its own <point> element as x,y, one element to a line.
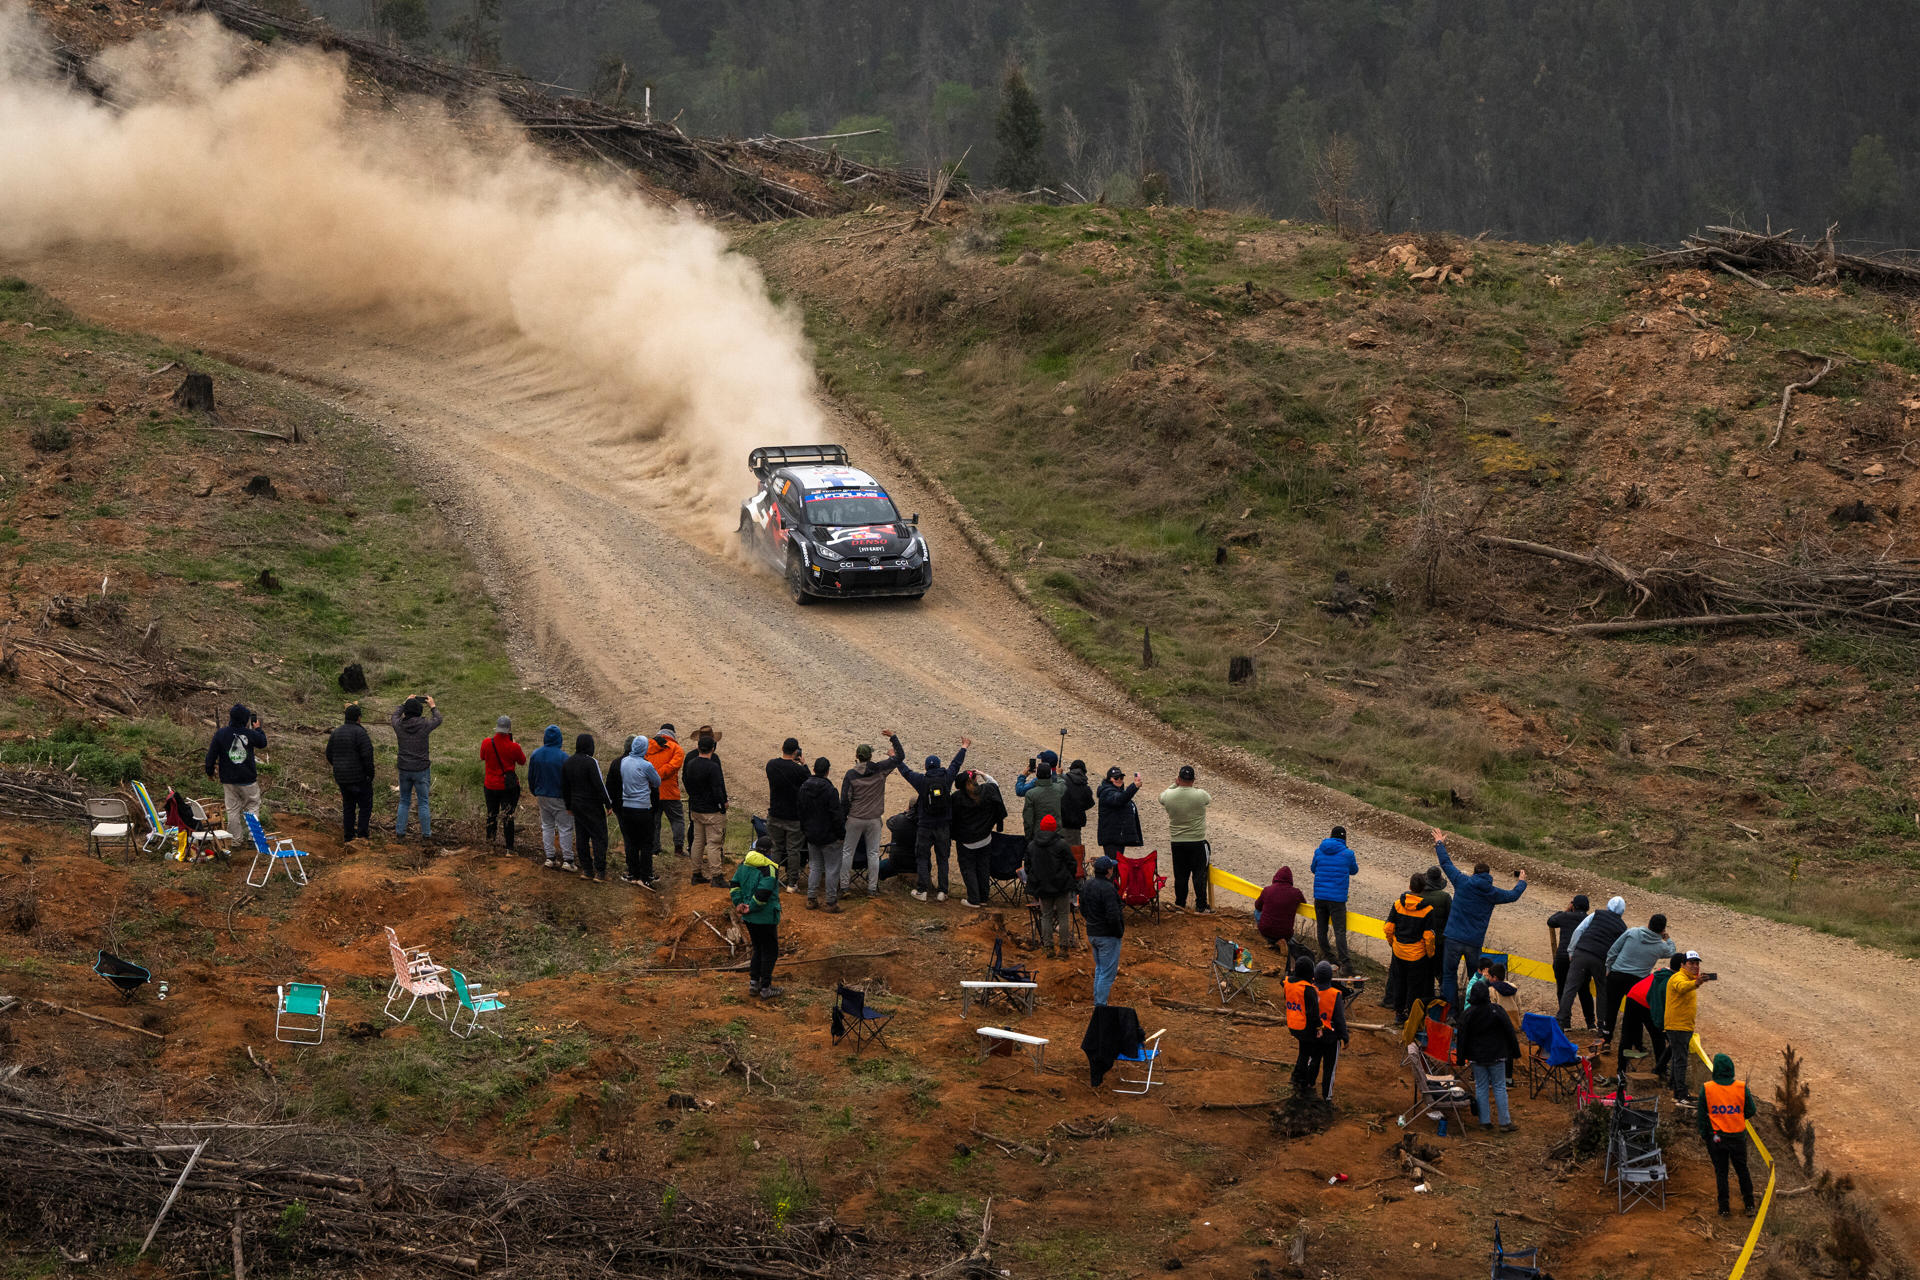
<point>931,837</point>
<point>636,833</point>
<point>1308,1059</point>
<point>975,868</point>
<point>1679,1045</point>
<point>1730,1149</point>
<point>1634,1020</point>
<point>1560,963</point>
<point>766,949</point>
<point>590,841</point>
<point>673,812</point>
<point>1407,981</point>
<point>356,807</point>
<point>1331,915</point>
<point>501,806</point>
<point>1618,984</point>
<point>1190,863</point>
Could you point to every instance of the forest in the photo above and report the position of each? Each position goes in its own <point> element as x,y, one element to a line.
<point>1616,120</point>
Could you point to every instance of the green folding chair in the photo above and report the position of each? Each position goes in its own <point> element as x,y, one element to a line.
<point>301,1015</point>
<point>473,1004</point>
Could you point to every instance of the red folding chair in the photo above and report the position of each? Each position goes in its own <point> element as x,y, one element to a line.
<point>1141,882</point>
<point>1586,1093</point>
<point>1439,1046</point>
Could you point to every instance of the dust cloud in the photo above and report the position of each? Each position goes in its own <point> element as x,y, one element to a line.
<point>215,149</point>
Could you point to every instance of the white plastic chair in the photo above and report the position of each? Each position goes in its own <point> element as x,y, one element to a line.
<point>280,851</point>
<point>109,822</point>
<point>300,1013</point>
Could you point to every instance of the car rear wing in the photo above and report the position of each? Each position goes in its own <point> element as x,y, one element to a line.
<point>768,458</point>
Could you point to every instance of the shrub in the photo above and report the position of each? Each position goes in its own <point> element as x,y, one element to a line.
<point>51,437</point>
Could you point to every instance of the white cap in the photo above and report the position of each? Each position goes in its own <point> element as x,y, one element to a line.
<point>1693,957</point>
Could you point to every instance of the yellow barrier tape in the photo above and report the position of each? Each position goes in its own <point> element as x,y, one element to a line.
<point>1766,1199</point>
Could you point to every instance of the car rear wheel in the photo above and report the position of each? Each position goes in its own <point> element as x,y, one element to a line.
<point>797,579</point>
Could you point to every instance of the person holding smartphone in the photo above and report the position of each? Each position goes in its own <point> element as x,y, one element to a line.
<point>1119,824</point>
<point>1683,1008</point>
<point>230,758</point>
<point>411,724</point>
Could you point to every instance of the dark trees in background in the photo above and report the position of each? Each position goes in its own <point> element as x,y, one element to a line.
<point>1020,133</point>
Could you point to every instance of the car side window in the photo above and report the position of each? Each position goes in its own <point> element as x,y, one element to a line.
<point>790,503</point>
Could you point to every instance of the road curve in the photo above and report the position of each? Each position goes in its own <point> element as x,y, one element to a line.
<point>626,606</point>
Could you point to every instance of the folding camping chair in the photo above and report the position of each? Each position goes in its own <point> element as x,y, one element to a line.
<point>126,976</point>
<point>419,978</point>
<point>1433,1094</point>
<point>1513,1264</point>
<point>1067,933</point>
<point>1004,857</point>
<point>1233,970</point>
<point>1635,1162</point>
<point>1439,1039</point>
<point>474,1003</point>
<point>160,837</point>
<point>1630,1130</point>
<point>1147,1054</point>
<point>1589,1092</point>
<point>300,1011</point>
<point>852,1019</point>
<point>208,833</point>
<point>1553,1063</point>
<point>1140,883</point>
<point>280,851</point>
<point>999,971</point>
<point>109,821</point>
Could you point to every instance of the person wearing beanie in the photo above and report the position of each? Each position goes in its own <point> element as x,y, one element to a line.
<point>666,755</point>
<point>1473,904</point>
<point>585,795</point>
<point>1488,1043</point>
<point>1277,908</point>
<point>350,752</point>
<point>1333,1028</point>
<point>1587,951</point>
<point>500,757</point>
<point>634,785</point>
<point>785,773</point>
<point>825,832</point>
<point>1682,1013</point>
<point>863,798</point>
<point>1186,806</point>
<point>756,900</point>
<point>411,726</point>
<point>1049,877</point>
<point>1106,922</point>
<point>1631,958</point>
<point>1307,1017</point>
<point>704,781</point>
<point>1560,927</point>
<point>934,828</point>
<point>1441,901</point>
<point>1333,868</point>
<point>1031,774</point>
<point>1413,942</point>
<point>1722,1111</point>
<point>556,820</point>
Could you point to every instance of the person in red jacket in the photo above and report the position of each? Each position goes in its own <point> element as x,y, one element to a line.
<point>500,755</point>
<point>1278,904</point>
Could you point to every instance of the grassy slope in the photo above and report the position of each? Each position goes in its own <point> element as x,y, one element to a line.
<point>1118,394</point>
<point>367,571</point>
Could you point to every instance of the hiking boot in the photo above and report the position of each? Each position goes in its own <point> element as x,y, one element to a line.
<point>832,908</point>
<point>697,879</point>
<point>813,904</point>
<point>768,993</point>
<point>919,896</point>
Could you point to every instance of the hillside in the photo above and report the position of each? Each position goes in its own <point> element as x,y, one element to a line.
<point>1259,439</point>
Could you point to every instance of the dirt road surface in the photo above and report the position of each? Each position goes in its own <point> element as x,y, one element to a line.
<point>629,608</point>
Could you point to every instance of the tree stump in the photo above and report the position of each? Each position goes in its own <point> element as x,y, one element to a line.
<point>269,581</point>
<point>262,487</point>
<point>1239,670</point>
<point>353,679</point>
<point>195,394</point>
<point>1146,646</point>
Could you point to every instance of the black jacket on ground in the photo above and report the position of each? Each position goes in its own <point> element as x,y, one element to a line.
<point>818,805</point>
<point>350,752</point>
<point>581,786</point>
<point>1049,865</point>
<point>704,784</point>
<point>784,777</point>
<point>1119,817</point>
<point>1100,908</point>
<point>1113,1029</point>
<point>977,818</point>
<point>1077,803</point>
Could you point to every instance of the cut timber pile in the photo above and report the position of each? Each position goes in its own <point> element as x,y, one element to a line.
<point>1751,254</point>
<point>40,795</point>
<point>753,179</point>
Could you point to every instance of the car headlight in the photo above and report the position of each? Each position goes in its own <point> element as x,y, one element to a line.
<point>916,554</point>
<point>826,552</point>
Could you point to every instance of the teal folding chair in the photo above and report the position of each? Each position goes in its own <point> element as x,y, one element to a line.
<point>279,852</point>
<point>300,1016</point>
<point>473,1004</point>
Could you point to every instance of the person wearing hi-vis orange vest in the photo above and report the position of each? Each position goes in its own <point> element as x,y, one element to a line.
<point>1409,930</point>
<point>1722,1111</point>
<point>1318,1023</point>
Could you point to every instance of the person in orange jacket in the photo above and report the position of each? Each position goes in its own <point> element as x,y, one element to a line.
<point>666,755</point>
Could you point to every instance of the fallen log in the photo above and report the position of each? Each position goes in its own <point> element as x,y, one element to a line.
<point>61,1008</point>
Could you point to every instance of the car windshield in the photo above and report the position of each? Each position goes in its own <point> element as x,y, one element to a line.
<point>835,507</point>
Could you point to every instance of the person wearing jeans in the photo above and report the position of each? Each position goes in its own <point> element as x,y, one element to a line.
<point>1473,903</point>
<point>411,728</point>
<point>1333,867</point>
<point>1488,1043</point>
<point>1186,807</point>
<point>543,779</point>
<point>350,752</point>
<point>1106,925</point>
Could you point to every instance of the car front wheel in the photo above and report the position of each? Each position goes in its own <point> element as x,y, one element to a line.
<point>797,579</point>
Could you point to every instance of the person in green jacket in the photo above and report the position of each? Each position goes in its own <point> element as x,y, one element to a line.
<point>1186,806</point>
<point>1722,1110</point>
<point>756,900</point>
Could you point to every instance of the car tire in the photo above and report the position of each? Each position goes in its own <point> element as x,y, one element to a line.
<point>797,579</point>
<point>749,535</point>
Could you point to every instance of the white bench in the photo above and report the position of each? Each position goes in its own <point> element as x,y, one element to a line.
<point>1016,993</point>
<point>990,1034</point>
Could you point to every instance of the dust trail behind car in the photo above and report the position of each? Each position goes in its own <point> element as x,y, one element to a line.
<point>213,149</point>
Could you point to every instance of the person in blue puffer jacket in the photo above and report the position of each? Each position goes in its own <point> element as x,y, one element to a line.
<point>1474,899</point>
<point>1333,868</point>
<point>543,779</point>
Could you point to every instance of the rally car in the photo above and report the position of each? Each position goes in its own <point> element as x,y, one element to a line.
<point>830,528</point>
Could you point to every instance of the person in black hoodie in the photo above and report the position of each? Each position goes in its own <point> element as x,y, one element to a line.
<point>1075,805</point>
<point>824,826</point>
<point>1488,1043</point>
<point>230,758</point>
<point>1106,925</point>
<point>935,789</point>
<point>1119,826</point>
<point>350,752</point>
<point>1333,1031</point>
<point>978,812</point>
<point>585,792</point>
<point>1050,881</point>
<point>1560,927</point>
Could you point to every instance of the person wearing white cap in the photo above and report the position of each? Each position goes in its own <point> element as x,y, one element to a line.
<point>1683,1008</point>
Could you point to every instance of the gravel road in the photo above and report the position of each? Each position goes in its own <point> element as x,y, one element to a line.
<point>625,604</point>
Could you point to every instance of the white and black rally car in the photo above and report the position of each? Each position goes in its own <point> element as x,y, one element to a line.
<point>830,528</point>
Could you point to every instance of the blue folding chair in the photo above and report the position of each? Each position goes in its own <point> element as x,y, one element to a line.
<point>852,1017</point>
<point>1145,1056</point>
<point>1513,1264</point>
<point>277,852</point>
<point>1555,1061</point>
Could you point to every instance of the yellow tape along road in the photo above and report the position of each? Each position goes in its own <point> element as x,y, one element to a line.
<point>1523,967</point>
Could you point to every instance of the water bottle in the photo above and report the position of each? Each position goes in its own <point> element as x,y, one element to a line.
<point>163,991</point>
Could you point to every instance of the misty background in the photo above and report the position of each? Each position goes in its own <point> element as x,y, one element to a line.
<point>1539,119</point>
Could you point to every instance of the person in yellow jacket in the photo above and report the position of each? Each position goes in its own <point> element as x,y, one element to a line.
<point>1724,1106</point>
<point>1683,1006</point>
<point>1409,930</point>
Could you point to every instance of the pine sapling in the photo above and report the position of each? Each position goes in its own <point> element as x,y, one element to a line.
<point>1790,1097</point>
